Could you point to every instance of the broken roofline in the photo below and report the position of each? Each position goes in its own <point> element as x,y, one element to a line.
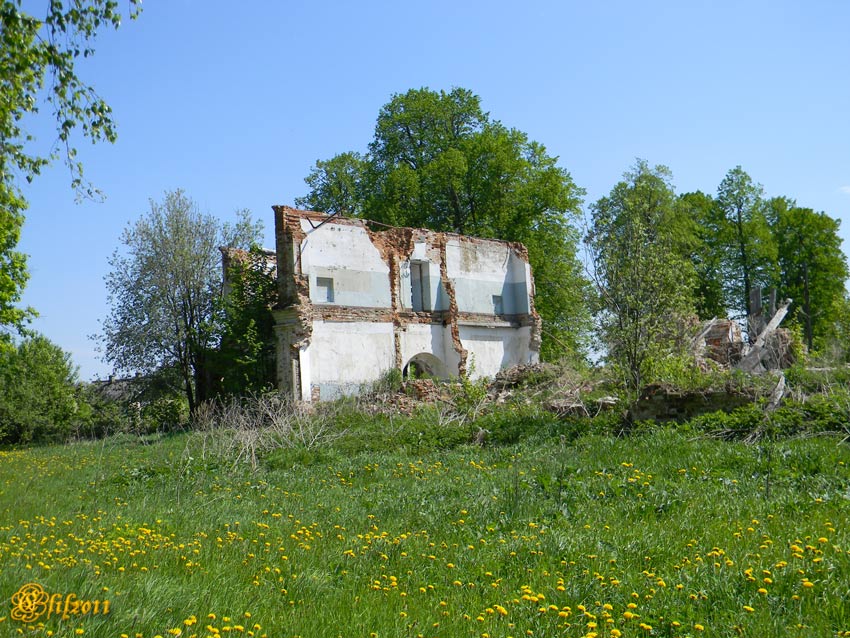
<point>496,296</point>
<point>337,218</point>
<point>395,245</point>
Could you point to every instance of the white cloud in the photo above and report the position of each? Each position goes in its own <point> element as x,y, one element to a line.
<point>845,189</point>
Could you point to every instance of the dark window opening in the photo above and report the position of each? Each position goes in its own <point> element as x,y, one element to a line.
<point>419,288</point>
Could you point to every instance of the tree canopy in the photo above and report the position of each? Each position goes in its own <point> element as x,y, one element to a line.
<point>37,65</point>
<point>38,392</point>
<point>165,291</point>
<point>812,268</point>
<point>643,281</point>
<point>747,248</point>
<point>745,241</point>
<point>438,161</point>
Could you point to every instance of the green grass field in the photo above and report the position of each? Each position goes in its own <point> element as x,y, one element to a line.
<point>656,534</point>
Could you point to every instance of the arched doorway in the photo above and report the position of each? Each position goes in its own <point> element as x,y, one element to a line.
<point>425,364</point>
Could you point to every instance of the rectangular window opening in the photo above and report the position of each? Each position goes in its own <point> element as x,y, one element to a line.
<point>419,289</point>
<point>324,290</point>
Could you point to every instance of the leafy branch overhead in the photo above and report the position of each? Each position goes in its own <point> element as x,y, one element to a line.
<point>38,59</point>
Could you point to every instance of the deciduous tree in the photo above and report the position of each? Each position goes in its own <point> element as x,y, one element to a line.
<point>38,392</point>
<point>749,251</point>
<point>705,253</point>
<point>245,360</point>
<point>642,279</point>
<point>165,291</point>
<point>438,161</point>
<point>812,268</point>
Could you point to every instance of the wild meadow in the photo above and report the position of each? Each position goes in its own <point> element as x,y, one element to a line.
<point>662,532</point>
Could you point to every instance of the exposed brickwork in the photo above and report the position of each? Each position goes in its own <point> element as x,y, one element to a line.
<point>296,313</point>
<point>450,292</point>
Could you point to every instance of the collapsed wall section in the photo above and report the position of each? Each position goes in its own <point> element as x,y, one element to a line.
<point>356,301</point>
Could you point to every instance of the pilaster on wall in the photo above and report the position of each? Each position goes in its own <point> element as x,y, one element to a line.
<point>395,246</point>
<point>294,314</point>
<point>448,286</point>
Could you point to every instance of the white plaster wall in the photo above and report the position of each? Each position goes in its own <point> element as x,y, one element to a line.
<point>481,270</point>
<point>491,349</point>
<point>519,275</point>
<point>347,255</point>
<point>481,260</point>
<point>345,354</point>
<point>420,251</point>
<point>305,364</point>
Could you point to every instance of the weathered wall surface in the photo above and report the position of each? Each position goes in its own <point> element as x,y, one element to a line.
<point>493,348</point>
<point>356,302</point>
<point>345,356</point>
<point>482,270</point>
<point>346,256</point>
<point>436,339</point>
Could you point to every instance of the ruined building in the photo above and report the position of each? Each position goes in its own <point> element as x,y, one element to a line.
<point>355,302</point>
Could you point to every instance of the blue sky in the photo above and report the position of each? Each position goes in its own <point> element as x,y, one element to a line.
<point>234,102</point>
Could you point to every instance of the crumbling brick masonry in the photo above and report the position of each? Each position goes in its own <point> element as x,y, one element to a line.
<point>356,302</point>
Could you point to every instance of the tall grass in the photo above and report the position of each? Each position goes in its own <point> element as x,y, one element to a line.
<point>413,532</point>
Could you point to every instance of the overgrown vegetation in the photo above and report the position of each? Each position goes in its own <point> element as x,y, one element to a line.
<point>165,291</point>
<point>386,525</point>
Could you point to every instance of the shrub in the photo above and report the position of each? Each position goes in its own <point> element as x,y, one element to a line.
<point>98,415</point>
<point>514,422</point>
<point>165,414</point>
<point>38,392</point>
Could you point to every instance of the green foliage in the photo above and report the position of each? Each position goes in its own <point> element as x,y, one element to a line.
<point>808,380</point>
<point>680,371</point>
<point>34,52</point>
<point>165,291</point>
<point>642,280</point>
<point>515,422</point>
<point>816,415</point>
<point>100,416</point>
<point>245,359</point>
<point>469,397</point>
<point>438,161</point>
<point>389,382</point>
<point>836,344</point>
<point>812,269</point>
<point>38,392</point>
<point>13,268</point>
<point>165,414</point>
<point>336,185</point>
<point>748,249</point>
<point>737,424</point>
<point>705,253</point>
